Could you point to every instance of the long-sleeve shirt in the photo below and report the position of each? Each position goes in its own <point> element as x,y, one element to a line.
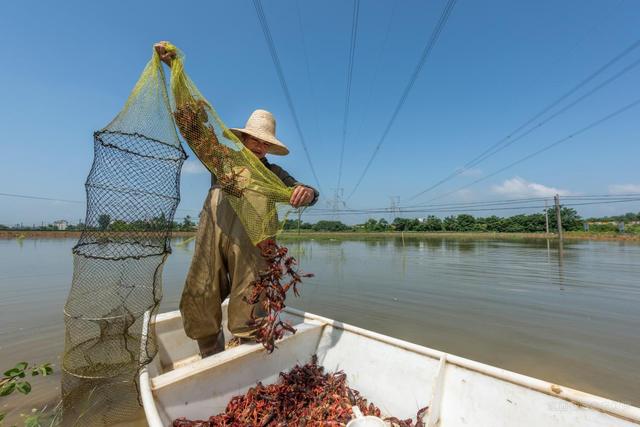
<point>284,176</point>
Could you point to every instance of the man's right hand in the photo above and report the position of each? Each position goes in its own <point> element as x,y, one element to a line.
<point>165,55</point>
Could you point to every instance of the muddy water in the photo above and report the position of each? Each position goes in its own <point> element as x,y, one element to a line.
<point>572,320</point>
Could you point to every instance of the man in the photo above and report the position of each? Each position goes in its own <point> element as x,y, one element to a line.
<point>225,262</point>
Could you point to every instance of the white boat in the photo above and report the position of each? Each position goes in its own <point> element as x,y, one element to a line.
<point>398,376</point>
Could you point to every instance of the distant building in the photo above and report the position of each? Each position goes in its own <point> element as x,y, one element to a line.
<point>61,224</point>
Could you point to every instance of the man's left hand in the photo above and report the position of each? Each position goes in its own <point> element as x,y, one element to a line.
<point>301,196</point>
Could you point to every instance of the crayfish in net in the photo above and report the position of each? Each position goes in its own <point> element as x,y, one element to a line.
<point>269,291</point>
<point>193,122</point>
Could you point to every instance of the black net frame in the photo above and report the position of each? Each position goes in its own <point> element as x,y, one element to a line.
<point>132,190</point>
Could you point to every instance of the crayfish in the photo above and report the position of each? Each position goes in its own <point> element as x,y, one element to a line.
<point>269,291</point>
<point>304,396</point>
<point>196,128</point>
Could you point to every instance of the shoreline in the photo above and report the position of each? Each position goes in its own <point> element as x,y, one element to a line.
<point>568,235</point>
<point>37,234</point>
<point>345,235</point>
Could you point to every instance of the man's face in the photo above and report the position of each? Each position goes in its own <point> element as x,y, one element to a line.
<point>256,146</point>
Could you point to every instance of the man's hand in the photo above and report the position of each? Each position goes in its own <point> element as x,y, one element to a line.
<point>165,55</point>
<point>301,196</point>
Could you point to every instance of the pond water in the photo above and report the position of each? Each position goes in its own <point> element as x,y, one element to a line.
<point>572,319</point>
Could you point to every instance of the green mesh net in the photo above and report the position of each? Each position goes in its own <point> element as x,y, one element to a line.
<point>132,195</point>
<point>252,189</point>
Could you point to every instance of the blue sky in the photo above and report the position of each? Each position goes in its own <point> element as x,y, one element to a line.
<point>67,68</point>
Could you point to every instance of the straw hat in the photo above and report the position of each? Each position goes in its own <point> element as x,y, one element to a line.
<point>262,125</point>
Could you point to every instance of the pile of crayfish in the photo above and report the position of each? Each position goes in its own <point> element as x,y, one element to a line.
<point>306,396</point>
<point>268,293</point>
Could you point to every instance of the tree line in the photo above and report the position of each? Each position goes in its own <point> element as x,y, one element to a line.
<point>521,223</point>
<point>104,222</point>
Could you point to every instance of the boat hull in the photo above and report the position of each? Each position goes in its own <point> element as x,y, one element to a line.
<point>398,376</point>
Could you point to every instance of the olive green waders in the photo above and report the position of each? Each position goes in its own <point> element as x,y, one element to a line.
<point>224,264</point>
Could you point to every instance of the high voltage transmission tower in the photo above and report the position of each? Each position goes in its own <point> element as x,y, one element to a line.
<point>394,207</point>
<point>337,203</point>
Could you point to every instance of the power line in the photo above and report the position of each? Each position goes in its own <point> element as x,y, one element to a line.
<point>27,196</point>
<point>478,208</point>
<point>547,147</point>
<point>565,108</point>
<point>347,99</point>
<point>276,62</point>
<point>431,42</point>
<point>509,139</point>
<point>506,204</point>
<point>53,199</point>
<point>452,206</point>
<point>602,196</point>
<point>501,202</point>
<point>460,204</point>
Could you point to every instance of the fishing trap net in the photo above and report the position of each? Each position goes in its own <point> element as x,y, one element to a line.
<point>133,190</point>
<point>132,194</point>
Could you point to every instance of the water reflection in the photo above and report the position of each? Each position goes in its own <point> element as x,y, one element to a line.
<point>508,303</point>
<point>501,302</point>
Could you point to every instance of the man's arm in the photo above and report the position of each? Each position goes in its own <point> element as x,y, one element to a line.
<point>298,198</point>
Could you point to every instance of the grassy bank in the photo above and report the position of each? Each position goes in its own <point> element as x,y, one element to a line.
<point>346,235</point>
<point>15,234</point>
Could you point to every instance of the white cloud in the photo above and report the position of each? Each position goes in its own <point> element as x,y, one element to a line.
<point>193,167</point>
<point>518,187</point>
<point>624,188</point>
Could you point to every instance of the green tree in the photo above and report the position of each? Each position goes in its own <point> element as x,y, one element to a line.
<point>330,226</point>
<point>158,223</point>
<point>383,225</point>
<point>401,224</point>
<point>450,223</point>
<point>188,224</point>
<point>289,224</point>
<point>571,221</point>
<point>120,225</point>
<point>103,222</point>
<point>431,223</point>
<point>465,222</point>
<point>370,225</point>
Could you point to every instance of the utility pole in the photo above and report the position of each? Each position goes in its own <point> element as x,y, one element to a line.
<point>558,217</point>
<point>546,216</point>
